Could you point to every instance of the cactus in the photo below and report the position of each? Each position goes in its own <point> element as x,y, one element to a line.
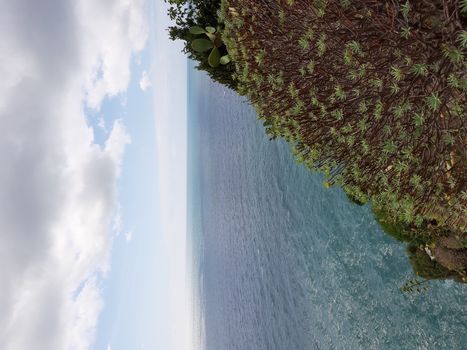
<point>225,59</point>
<point>197,30</point>
<point>211,30</point>
<point>201,45</point>
<point>214,57</point>
<point>213,44</point>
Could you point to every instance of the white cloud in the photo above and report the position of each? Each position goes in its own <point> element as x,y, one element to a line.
<point>129,236</point>
<point>108,42</point>
<point>101,124</point>
<point>57,187</point>
<point>145,82</point>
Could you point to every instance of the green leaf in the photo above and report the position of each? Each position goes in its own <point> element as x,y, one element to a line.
<point>454,54</point>
<point>321,45</point>
<point>405,32</point>
<point>433,101</point>
<point>462,38</point>
<point>453,81</point>
<point>303,42</point>
<point>212,37</point>
<point>354,46</point>
<point>201,45</point>
<point>225,59</point>
<point>389,147</point>
<point>214,57</point>
<point>405,9</point>
<point>211,30</point>
<point>463,6</point>
<point>396,72</point>
<point>197,30</point>
<point>420,69</point>
<point>418,119</point>
<point>377,83</point>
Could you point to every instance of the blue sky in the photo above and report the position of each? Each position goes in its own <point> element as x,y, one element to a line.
<point>146,292</point>
<point>93,192</point>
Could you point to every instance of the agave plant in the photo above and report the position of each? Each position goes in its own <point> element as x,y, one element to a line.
<point>212,44</point>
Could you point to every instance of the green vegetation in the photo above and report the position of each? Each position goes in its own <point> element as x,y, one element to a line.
<point>373,94</point>
<point>202,14</point>
<point>424,244</point>
<point>212,45</point>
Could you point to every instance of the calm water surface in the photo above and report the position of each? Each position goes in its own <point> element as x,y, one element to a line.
<point>282,263</point>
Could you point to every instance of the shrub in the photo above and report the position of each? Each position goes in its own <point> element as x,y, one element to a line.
<point>202,13</point>
<point>371,93</point>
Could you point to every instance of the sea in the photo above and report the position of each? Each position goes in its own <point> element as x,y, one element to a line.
<point>280,262</point>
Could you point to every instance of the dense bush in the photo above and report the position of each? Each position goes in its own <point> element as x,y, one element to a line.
<point>189,13</point>
<point>372,93</point>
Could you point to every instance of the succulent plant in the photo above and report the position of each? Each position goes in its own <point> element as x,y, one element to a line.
<point>212,44</point>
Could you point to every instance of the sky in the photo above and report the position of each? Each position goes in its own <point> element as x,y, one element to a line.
<point>93,177</point>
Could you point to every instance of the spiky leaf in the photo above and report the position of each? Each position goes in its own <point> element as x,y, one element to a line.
<point>462,38</point>
<point>463,6</point>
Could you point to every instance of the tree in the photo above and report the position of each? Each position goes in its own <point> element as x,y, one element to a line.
<point>201,13</point>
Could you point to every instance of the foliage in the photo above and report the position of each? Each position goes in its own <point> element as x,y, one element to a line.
<point>200,13</point>
<point>422,242</point>
<point>373,94</point>
<point>395,229</point>
<point>212,45</point>
<point>355,196</point>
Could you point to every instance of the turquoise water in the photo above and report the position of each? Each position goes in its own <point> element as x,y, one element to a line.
<point>282,263</point>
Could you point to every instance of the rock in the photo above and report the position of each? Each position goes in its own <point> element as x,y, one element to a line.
<point>450,242</point>
<point>453,259</point>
